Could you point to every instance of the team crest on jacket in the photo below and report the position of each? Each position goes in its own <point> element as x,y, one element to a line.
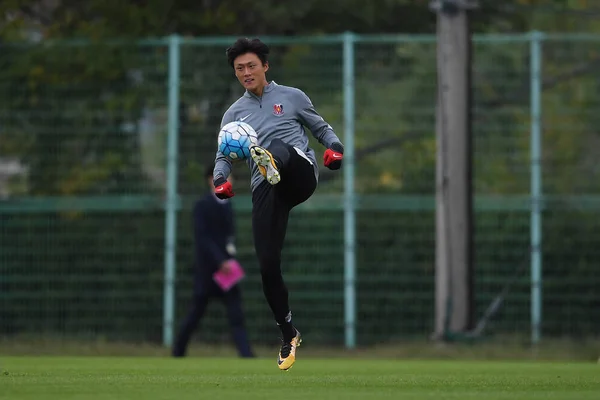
<point>278,109</point>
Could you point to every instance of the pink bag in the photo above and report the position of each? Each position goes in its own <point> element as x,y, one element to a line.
<point>227,280</point>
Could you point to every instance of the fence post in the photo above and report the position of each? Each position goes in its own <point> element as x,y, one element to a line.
<point>349,197</point>
<point>172,199</point>
<point>536,184</point>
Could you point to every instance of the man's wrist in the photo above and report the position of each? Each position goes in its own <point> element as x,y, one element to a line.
<point>337,147</point>
<point>219,180</point>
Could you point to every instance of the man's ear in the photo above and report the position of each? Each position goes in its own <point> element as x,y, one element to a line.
<point>266,66</point>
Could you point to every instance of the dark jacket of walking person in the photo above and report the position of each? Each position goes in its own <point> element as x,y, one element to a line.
<point>214,247</point>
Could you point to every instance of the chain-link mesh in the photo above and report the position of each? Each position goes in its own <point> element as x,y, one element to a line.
<point>571,182</point>
<point>83,132</point>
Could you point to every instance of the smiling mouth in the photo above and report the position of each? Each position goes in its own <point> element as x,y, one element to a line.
<point>248,81</point>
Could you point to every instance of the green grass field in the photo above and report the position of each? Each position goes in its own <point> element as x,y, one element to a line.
<point>153,378</point>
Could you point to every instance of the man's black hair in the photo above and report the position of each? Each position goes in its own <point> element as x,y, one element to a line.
<point>245,45</point>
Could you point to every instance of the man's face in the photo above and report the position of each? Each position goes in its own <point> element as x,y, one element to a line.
<point>250,71</point>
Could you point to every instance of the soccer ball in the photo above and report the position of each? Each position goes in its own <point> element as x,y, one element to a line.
<point>235,140</point>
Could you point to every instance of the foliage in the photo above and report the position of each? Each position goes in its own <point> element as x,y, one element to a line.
<point>90,120</point>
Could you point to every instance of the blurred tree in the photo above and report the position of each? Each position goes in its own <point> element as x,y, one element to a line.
<point>73,113</point>
<point>96,19</point>
<point>142,18</point>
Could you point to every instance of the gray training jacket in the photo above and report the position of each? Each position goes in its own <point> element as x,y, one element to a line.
<point>281,112</point>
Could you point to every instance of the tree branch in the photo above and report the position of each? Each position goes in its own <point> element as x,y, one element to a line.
<point>549,83</point>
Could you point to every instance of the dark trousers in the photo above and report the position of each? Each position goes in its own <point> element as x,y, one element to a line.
<point>271,205</point>
<point>233,303</point>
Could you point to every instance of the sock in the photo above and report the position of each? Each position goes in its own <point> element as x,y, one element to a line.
<point>287,328</point>
<point>288,331</point>
<point>278,162</point>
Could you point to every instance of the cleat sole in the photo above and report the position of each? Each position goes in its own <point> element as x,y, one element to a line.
<point>266,164</point>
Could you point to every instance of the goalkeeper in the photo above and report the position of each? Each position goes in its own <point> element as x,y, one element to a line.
<point>284,169</point>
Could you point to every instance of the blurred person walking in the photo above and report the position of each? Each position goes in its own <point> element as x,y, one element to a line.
<point>214,236</point>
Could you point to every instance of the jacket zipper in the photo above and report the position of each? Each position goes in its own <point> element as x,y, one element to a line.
<point>259,99</point>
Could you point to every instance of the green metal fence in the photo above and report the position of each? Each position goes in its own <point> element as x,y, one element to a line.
<point>102,147</point>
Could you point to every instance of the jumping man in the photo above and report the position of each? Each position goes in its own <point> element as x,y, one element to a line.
<point>284,169</point>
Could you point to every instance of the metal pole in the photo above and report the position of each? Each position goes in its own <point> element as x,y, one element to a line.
<point>536,185</point>
<point>171,204</point>
<point>349,200</point>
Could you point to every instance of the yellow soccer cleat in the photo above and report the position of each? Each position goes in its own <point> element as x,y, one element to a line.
<point>266,164</point>
<point>287,354</point>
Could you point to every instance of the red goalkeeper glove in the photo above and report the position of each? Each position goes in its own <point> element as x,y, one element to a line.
<point>223,189</point>
<point>333,156</point>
